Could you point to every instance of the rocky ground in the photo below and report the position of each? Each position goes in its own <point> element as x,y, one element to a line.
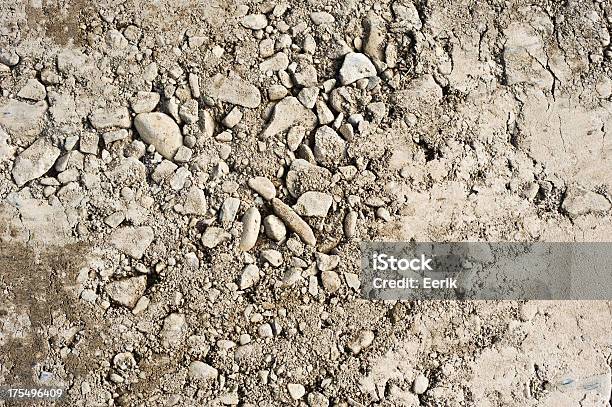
<point>184,186</point>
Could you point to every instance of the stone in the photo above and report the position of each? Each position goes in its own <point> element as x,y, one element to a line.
<point>144,102</point>
<point>326,262</point>
<point>308,97</point>
<point>232,89</point>
<point>374,44</point>
<point>304,176</point>
<point>132,240</point>
<point>578,201</point>
<point>34,161</point>
<point>329,147</point>
<point>88,143</point>
<point>294,222</point>
<point>288,113</point>
<point>277,92</point>
<point>356,66</point>
<point>183,154</point>
<point>331,281</point>
<point>109,117</point>
<point>360,341</point>
<point>350,224</point>
<point>313,203</point>
<point>127,291</point>
<point>189,111</point>
<point>263,186</point>
<point>255,21</point>
<point>321,17</point>
<point>173,330</point>
<point>179,178</point>
<point>114,135</point>
<point>295,135</point>
<point>305,76</point>
<point>275,63</point>
<point>249,277</point>
<point>163,170</point>
<point>251,222</point>
<point>21,118</point>
<point>201,371</point>
<point>229,210</point>
<point>324,114</point>
<point>33,90</point>
<point>213,236</point>
<point>195,202</point>
<point>232,118</point>
<point>274,257</point>
<point>275,228</point>
<point>161,131</point>
<point>265,331</point>
<point>316,399</point>
<point>420,384</point>
<point>124,361</point>
<point>296,391</point>
<point>8,57</point>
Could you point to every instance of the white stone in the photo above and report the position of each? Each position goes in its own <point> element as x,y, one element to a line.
<point>296,391</point>
<point>33,90</point>
<point>229,210</point>
<point>195,202</point>
<point>362,340</point>
<point>321,17</point>
<point>287,113</point>
<point>132,241</point>
<point>420,385</point>
<point>144,102</point>
<point>255,21</point>
<point>105,118</point>
<point>128,291</point>
<point>249,276</point>
<point>277,62</point>
<point>329,148</point>
<point>331,281</point>
<point>34,161</point>
<point>201,371</point>
<point>232,89</point>
<point>232,118</point>
<point>251,222</point>
<point>274,227</point>
<point>313,203</point>
<point>356,66</point>
<point>161,131</point>
<point>263,186</point>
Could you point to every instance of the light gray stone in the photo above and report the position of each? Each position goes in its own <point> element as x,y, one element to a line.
<point>132,241</point>
<point>313,203</point>
<point>34,161</point>
<point>127,291</point>
<point>161,131</point>
<point>356,66</point>
<point>263,186</point>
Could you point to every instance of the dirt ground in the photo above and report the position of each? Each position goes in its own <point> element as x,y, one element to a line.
<point>184,186</point>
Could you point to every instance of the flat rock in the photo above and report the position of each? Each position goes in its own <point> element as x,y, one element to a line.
<point>201,371</point>
<point>160,130</point>
<point>213,236</point>
<point>254,21</point>
<point>321,17</point>
<point>296,391</point>
<point>356,66</point>
<point>277,62</point>
<point>329,147</point>
<point>34,161</point>
<point>195,202</point>
<point>304,176</point>
<point>21,118</point>
<point>33,90</point>
<point>232,89</point>
<point>144,102</point>
<point>288,113</point>
<point>579,202</point>
<point>109,117</point>
<point>132,241</point>
<point>128,291</point>
<point>313,203</point>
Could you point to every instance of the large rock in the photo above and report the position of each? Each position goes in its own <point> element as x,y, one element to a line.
<point>21,118</point>
<point>128,291</point>
<point>356,66</point>
<point>34,161</point>
<point>132,241</point>
<point>160,130</point>
<point>304,176</point>
<point>287,113</point>
<point>232,89</point>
